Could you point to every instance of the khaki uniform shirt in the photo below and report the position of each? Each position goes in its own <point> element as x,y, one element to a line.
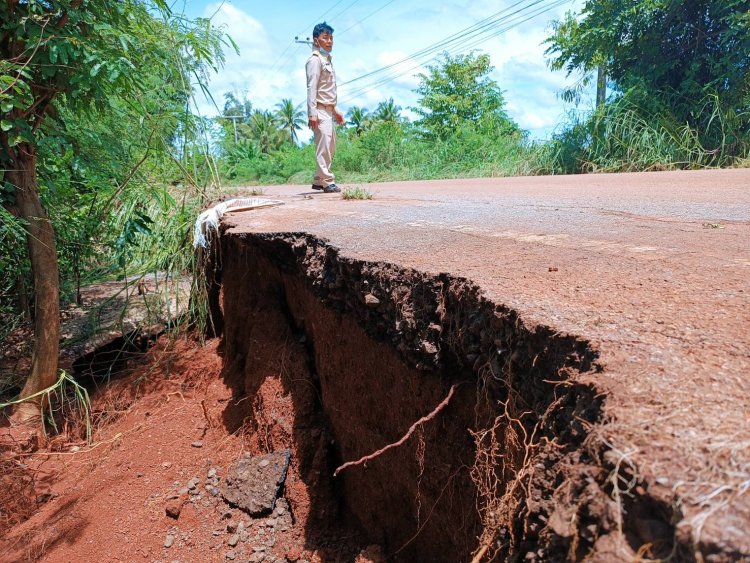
<point>321,82</point>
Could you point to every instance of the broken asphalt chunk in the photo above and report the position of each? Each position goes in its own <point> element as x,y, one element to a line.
<point>254,482</point>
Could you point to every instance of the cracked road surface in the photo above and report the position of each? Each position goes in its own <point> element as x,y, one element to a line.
<point>653,269</point>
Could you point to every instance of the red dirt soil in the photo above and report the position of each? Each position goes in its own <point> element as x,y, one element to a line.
<point>157,427</point>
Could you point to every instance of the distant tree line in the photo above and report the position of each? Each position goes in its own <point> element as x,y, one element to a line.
<point>673,91</point>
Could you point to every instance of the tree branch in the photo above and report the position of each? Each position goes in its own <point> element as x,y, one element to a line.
<point>39,116</point>
<point>66,15</point>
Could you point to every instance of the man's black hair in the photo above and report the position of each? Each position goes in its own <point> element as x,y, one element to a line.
<point>322,28</point>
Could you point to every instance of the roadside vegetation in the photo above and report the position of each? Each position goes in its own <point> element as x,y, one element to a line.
<point>682,103</point>
<point>357,192</point>
<point>104,167</point>
<point>97,133</point>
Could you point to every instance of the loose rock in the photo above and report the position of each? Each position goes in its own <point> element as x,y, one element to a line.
<point>254,482</point>
<point>174,506</point>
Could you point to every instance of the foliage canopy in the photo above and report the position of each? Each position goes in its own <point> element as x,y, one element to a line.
<point>88,90</point>
<point>458,91</point>
<point>668,55</point>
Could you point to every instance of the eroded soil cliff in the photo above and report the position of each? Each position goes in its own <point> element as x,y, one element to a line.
<point>512,467</point>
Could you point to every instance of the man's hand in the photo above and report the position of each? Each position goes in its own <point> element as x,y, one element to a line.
<point>312,123</point>
<point>339,117</point>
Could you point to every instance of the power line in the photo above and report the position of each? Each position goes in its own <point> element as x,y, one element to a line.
<point>489,20</point>
<point>538,12</point>
<point>344,10</point>
<point>320,18</point>
<point>276,65</point>
<point>480,32</point>
<point>398,74</point>
<point>366,17</point>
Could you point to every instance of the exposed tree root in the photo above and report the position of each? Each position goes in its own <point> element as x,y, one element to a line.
<point>405,437</point>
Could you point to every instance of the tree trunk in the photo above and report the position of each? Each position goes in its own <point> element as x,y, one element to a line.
<point>44,267</point>
<point>22,299</point>
<point>601,85</point>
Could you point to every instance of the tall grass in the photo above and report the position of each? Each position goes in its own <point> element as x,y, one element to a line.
<point>625,136</point>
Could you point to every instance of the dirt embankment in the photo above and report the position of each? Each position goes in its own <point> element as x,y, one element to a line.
<point>511,467</point>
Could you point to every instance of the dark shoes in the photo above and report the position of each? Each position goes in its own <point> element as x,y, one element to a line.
<point>329,189</point>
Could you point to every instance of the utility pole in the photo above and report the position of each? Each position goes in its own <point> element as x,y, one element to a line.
<point>306,40</point>
<point>234,119</point>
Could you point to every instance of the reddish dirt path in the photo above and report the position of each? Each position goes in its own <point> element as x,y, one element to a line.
<point>107,501</point>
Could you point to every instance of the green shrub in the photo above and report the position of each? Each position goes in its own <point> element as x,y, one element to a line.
<point>627,136</point>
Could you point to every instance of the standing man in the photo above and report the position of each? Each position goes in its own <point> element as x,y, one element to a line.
<point>321,106</point>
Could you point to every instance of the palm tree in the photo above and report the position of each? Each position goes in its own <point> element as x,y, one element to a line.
<point>358,119</point>
<point>290,117</point>
<point>388,111</point>
<point>265,131</point>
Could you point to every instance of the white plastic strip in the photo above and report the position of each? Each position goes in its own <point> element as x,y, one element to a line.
<point>208,221</point>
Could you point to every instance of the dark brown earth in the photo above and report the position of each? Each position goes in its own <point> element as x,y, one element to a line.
<point>591,333</point>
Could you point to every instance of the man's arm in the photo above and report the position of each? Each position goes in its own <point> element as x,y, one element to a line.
<point>312,69</point>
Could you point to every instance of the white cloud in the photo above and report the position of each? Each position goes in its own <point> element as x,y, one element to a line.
<point>247,32</point>
<point>252,70</point>
<point>404,67</point>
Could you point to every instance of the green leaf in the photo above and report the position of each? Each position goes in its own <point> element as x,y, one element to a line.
<point>6,125</point>
<point>19,138</point>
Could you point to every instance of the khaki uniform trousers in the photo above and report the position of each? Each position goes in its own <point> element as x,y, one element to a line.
<point>325,146</point>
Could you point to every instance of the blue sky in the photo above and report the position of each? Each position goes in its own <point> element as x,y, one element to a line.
<point>370,35</point>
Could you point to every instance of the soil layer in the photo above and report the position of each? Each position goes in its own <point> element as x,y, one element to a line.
<point>367,349</point>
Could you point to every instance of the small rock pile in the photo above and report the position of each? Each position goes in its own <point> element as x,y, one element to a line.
<point>254,511</point>
<point>252,540</point>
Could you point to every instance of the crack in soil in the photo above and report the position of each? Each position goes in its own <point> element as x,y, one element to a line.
<point>513,468</point>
